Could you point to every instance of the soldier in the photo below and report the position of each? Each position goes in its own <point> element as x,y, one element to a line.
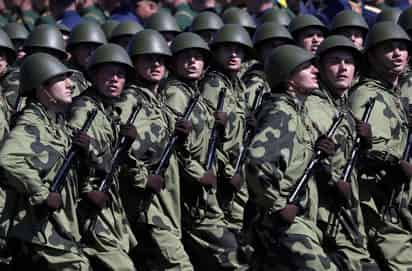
<point>7,58</point>
<point>107,233</point>
<point>338,62</point>
<point>45,231</point>
<point>210,244</point>
<point>389,14</point>
<point>164,23</point>
<point>308,31</point>
<point>351,25</point>
<point>383,170</point>
<point>83,41</point>
<point>18,35</point>
<point>124,32</point>
<point>279,153</point>
<point>65,12</point>
<point>235,15</point>
<point>152,199</point>
<point>278,16</point>
<point>88,10</point>
<point>108,27</point>
<point>205,24</point>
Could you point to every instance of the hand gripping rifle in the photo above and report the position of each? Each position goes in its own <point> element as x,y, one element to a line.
<point>168,151</point>
<point>299,189</point>
<point>343,213</point>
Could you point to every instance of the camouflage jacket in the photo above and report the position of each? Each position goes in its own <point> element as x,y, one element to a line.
<point>279,154</point>
<point>104,134</point>
<point>193,155</point>
<point>80,83</point>
<point>30,159</point>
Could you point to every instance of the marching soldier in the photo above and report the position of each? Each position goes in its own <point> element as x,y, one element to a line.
<point>205,24</point>
<point>308,32</point>
<point>351,25</point>
<point>123,33</point>
<point>164,23</point>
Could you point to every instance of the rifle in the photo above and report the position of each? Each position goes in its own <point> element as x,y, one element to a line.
<point>168,151</point>
<point>298,191</point>
<point>212,146</point>
<point>343,214</point>
<point>59,179</point>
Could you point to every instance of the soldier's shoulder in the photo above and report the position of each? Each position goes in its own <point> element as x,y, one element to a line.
<point>215,78</point>
<point>85,101</point>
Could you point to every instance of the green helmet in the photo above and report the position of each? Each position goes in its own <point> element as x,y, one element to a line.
<point>37,69</point>
<point>235,15</point>
<point>348,18</point>
<point>278,16</point>
<point>16,31</point>
<point>7,46</point>
<point>389,14</point>
<point>148,41</point>
<point>304,21</point>
<point>188,40</point>
<point>271,30</point>
<point>127,28</point>
<point>405,19</point>
<point>338,42</point>
<point>283,62</point>
<point>109,26</point>
<point>46,37</point>
<point>232,33</point>
<point>86,33</point>
<point>384,31</point>
<point>206,20</point>
<point>110,54</point>
<point>162,22</point>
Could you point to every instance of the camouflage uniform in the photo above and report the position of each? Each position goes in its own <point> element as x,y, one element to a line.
<point>159,227</point>
<point>112,239</point>
<point>209,241</point>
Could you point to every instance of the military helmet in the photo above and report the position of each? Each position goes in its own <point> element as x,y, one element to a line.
<point>148,41</point>
<point>337,42</point>
<point>348,18</point>
<point>86,33</point>
<point>384,31</point>
<point>108,27</point>
<point>304,21</point>
<point>278,16</point>
<point>271,30</point>
<point>64,29</point>
<point>206,20</point>
<point>37,69</point>
<point>232,33</point>
<point>188,40</point>
<point>110,54</point>
<point>405,19</point>
<point>283,62</point>
<point>46,37</point>
<point>235,15</point>
<point>162,22</point>
<point>7,46</point>
<point>389,14</point>
<point>127,28</point>
<point>47,19</point>
<point>16,31</point>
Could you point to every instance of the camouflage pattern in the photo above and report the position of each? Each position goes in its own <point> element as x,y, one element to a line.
<point>159,229</point>
<point>29,161</point>
<point>389,242</point>
<point>211,245</point>
<point>112,239</point>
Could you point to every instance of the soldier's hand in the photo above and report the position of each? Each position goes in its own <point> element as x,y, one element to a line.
<point>155,182</point>
<point>289,213</point>
<point>98,198</point>
<point>251,122</point>
<point>406,168</point>
<point>344,189</point>
<point>236,181</point>
<point>53,201</point>
<point>128,131</point>
<point>208,179</point>
<point>326,145</point>
<point>183,128</point>
<point>364,130</point>
<point>81,140</point>
<point>221,119</point>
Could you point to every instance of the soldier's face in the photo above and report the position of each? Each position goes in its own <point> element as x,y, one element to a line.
<point>304,80</point>
<point>110,79</point>
<point>59,89</point>
<point>189,64</point>
<point>354,34</point>
<point>310,39</point>
<point>338,70</point>
<point>150,67</point>
<point>3,63</point>
<point>230,56</point>
<point>390,57</point>
<point>81,54</point>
